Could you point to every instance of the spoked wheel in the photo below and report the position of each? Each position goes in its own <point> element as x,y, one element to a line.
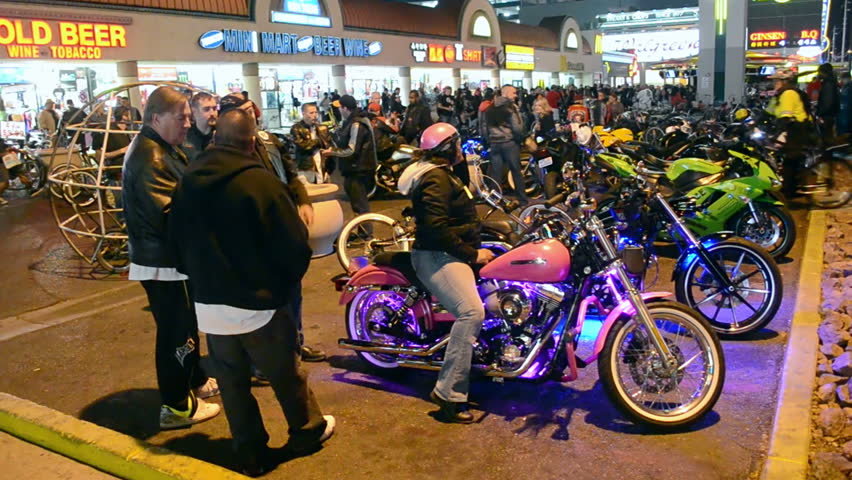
<point>531,187</point>
<point>59,173</point>
<point>774,229</point>
<point>114,254</point>
<point>81,189</point>
<point>833,185</point>
<point>368,312</point>
<point>647,390</point>
<point>757,288</point>
<point>369,235</point>
<point>29,176</point>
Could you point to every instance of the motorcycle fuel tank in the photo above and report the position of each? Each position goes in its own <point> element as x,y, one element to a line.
<point>547,261</point>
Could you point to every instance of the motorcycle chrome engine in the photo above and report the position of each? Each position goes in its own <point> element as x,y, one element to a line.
<point>518,302</point>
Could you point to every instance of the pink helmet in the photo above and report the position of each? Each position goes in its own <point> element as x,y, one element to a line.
<point>437,136</point>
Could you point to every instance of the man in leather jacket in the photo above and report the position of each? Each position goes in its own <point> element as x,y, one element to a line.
<point>357,153</point>
<point>417,118</point>
<point>310,136</point>
<point>272,154</point>
<point>153,166</point>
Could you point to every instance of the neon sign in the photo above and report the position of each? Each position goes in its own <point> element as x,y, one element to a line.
<point>64,40</point>
<point>440,53</point>
<point>767,39</point>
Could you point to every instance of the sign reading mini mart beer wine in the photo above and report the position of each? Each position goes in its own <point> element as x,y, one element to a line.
<point>24,38</point>
<point>249,41</point>
<point>442,53</point>
<point>519,58</point>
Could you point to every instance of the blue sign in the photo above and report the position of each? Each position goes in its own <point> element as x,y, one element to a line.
<point>322,46</point>
<point>300,19</point>
<point>212,39</point>
<point>307,7</point>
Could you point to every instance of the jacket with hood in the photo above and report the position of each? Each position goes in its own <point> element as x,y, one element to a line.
<point>236,232</point>
<point>504,122</point>
<point>444,212</point>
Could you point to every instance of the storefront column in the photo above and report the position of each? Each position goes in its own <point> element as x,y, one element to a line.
<point>495,79</point>
<point>527,80</point>
<point>338,78</point>
<point>554,79</point>
<point>251,82</point>
<point>404,84</point>
<point>642,71</point>
<point>129,73</point>
<point>456,78</point>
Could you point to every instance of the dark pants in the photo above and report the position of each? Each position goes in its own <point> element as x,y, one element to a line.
<point>508,154</point>
<point>177,350</point>
<point>274,348</point>
<point>357,186</point>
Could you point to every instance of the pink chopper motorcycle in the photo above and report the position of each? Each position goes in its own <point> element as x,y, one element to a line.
<point>659,361</point>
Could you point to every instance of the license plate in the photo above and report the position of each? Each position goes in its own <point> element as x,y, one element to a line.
<point>11,160</point>
<point>545,162</point>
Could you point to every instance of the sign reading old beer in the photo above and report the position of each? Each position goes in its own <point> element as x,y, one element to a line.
<point>23,38</point>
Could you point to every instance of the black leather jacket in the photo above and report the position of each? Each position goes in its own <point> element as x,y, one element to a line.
<point>306,146</point>
<point>152,169</point>
<point>445,216</point>
<point>417,118</point>
<point>355,146</point>
<point>196,142</point>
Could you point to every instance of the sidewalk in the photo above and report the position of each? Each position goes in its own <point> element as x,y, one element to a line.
<point>19,459</point>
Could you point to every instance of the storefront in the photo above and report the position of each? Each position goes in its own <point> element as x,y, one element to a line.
<point>280,51</point>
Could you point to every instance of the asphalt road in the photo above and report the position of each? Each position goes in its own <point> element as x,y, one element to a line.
<point>99,366</point>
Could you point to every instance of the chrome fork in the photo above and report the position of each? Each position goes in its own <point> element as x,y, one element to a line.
<point>597,227</point>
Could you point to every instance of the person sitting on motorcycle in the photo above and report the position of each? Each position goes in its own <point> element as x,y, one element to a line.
<point>446,247</point>
<point>791,109</point>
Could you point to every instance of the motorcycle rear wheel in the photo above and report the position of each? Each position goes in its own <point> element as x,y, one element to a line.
<point>367,306</point>
<point>753,272</point>
<point>638,383</point>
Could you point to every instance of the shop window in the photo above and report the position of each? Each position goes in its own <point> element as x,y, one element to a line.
<point>571,40</point>
<point>481,26</point>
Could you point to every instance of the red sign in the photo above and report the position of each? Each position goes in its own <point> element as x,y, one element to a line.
<point>767,39</point>
<point>73,40</point>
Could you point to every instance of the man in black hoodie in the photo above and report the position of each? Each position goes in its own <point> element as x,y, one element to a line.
<point>238,235</point>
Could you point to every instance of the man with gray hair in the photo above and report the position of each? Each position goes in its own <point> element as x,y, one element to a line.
<point>238,235</point>
<point>153,166</point>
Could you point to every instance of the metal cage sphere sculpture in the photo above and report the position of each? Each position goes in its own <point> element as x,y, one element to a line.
<point>85,183</point>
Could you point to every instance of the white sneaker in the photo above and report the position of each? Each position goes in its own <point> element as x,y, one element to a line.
<point>209,389</point>
<point>171,418</point>
<point>330,422</point>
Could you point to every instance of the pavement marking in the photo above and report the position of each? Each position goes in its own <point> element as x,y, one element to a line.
<point>33,320</point>
<point>789,445</point>
<point>99,447</point>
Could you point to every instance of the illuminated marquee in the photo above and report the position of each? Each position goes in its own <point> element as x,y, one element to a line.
<point>440,53</point>
<point>654,46</point>
<point>61,40</point>
<point>519,58</point>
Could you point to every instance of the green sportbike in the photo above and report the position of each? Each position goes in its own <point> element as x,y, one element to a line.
<point>739,194</point>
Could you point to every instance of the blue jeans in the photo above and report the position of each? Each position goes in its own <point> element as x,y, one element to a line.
<point>452,282</point>
<point>509,154</point>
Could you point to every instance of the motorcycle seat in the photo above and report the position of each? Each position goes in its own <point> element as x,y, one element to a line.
<point>400,261</point>
<point>500,228</point>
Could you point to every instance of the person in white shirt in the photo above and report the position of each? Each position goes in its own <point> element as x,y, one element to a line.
<point>152,168</point>
<point>238,235</point>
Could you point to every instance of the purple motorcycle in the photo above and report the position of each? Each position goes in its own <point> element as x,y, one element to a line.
<point>659,361</point>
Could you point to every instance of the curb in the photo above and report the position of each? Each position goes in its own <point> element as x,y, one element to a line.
<point>789,445</point>
<point>99,447</point>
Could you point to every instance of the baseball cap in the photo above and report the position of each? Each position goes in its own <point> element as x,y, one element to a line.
<point>348,101</point>
<point>230,102</point>
<point>374,107</point>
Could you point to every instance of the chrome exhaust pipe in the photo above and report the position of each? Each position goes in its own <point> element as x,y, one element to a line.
<point>370,347</point>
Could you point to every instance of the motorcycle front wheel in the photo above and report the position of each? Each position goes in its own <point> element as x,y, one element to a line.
<point>368,235</point>
<point>757,288</point>
<point>775,229</point>
<point>643,387</point>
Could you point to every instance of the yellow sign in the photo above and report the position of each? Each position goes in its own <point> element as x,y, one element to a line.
<point>64,40</point>
<point>519,58</point>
